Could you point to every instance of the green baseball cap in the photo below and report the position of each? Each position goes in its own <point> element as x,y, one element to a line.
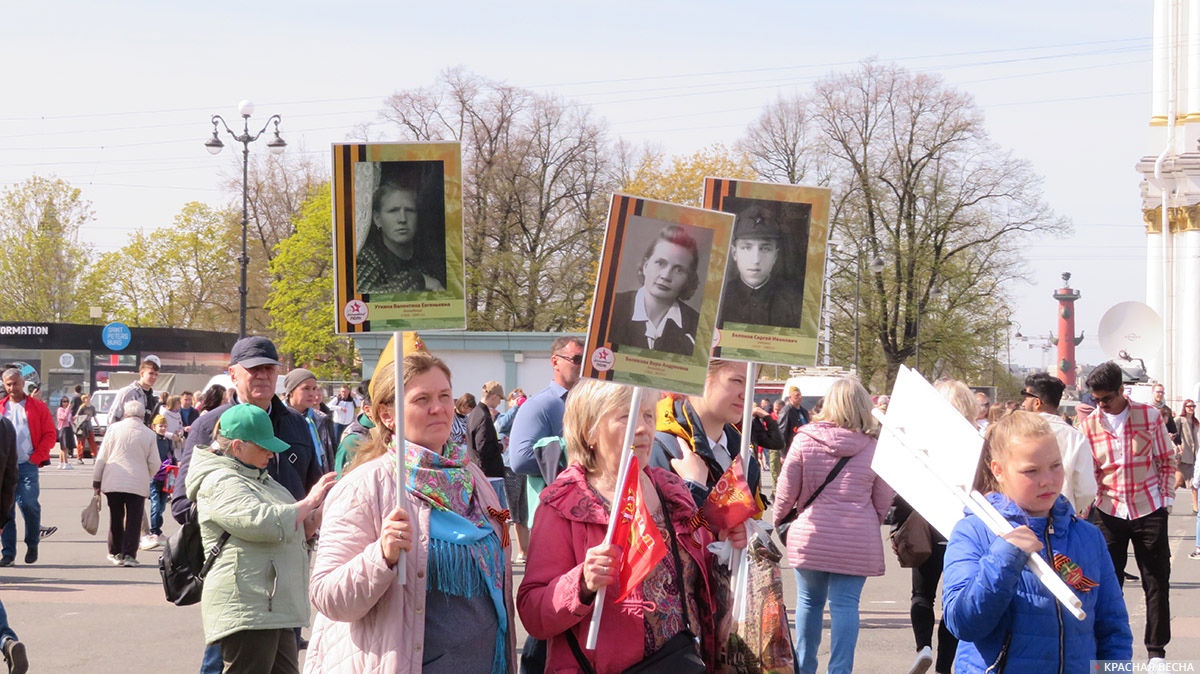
<point>250,423</point>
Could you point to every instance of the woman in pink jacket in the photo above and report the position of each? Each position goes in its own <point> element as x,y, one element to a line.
<point>570,562</point>
<point>453,614</point>
<point>835,543</point>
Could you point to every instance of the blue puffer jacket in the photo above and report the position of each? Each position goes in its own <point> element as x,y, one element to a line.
<point>991,599</point>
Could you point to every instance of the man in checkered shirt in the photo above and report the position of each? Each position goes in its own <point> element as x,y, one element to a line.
<point>1135,469</point>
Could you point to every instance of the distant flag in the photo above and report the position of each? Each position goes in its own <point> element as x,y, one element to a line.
<point>640,540</point>
<point>730,502</point>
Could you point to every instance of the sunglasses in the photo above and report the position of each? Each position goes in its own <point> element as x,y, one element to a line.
<point>1027,394</point>
<point>577,358</point>
<point>1108,398</point>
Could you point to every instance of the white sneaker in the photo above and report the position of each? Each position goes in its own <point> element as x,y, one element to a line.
<point>923,662</point>
<point>148,542</point>
<point>1157,665</point>
<point>115,559</point>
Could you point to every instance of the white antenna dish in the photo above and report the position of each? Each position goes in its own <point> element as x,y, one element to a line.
<point>1132,327</point>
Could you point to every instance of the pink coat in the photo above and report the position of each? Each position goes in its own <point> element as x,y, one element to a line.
<point>366,621</point>
<point>569,521</point>
<point>839,532</point>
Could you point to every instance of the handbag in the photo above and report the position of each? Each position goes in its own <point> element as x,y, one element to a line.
<point>912,541</point>
<point>90,517</point>
<point>681,653</point>
<point>183,563</point>
<point>785,522</point>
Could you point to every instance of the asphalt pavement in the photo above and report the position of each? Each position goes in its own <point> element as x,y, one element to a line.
<point>78,613</point>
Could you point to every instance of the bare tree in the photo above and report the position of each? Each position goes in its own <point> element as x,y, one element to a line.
<point>536,176</point>
<point>917,183</point>
<point>780,147</point>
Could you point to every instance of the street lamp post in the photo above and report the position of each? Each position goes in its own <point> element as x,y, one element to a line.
<point>214,146</point>
<point>876,268</point>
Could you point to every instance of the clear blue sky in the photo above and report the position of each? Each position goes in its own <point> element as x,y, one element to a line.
<point>115,97</point>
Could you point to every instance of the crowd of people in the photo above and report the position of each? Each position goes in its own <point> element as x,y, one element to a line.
<point>413,571</point>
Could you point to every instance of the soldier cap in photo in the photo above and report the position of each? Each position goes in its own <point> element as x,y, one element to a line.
<point>755,222</point>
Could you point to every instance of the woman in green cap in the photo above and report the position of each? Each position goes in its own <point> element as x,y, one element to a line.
<point>256,593</point>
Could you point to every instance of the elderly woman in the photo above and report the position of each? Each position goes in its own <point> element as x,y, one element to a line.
<point>126,464</point>
<point>572,563</point>
<point>452,614</point>
<point>255,593</point>
<point>655,316</point>
<point>834,543</point>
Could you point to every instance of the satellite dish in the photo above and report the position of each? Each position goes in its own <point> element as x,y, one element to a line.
<point>1132,327</point>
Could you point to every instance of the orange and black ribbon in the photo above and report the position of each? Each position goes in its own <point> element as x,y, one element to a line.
<point>1072,573</point>
<point>502,517</point>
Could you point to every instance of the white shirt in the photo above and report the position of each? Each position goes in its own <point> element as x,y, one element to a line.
<point>15,412</point>
<point>343,412</point>
<point>1079,473</point>
<point>720,451</point>
<point>654,331</point>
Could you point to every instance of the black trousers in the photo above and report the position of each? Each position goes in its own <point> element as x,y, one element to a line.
<point>924,588</point>
<point>1152,552</point>
<point>260,652</point>
<point>124,522</point>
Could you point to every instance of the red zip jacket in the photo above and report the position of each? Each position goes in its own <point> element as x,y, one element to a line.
<point>41,428</point>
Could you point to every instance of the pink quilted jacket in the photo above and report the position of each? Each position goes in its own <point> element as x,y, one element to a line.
<point>839,532</point>
<point>366,621</point>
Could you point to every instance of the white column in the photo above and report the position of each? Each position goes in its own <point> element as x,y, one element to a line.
<point>1187,313</point>
<point>1154,296</point>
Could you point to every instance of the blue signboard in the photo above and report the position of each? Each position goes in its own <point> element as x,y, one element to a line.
<point>116,336</point>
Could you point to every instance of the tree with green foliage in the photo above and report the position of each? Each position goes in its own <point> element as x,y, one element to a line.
<point>301,302</point>
<point>181,276</point>
<point>648,172</point>
<point>43,259</point>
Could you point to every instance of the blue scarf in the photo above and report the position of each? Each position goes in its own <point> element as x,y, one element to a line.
<point>468,562</point>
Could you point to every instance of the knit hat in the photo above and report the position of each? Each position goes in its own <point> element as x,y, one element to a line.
<point>295,378</point>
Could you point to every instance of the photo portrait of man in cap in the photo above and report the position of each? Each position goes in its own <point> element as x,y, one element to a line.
<point>757,292</point>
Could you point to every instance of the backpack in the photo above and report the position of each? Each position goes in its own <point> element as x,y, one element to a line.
<point>183,563</point>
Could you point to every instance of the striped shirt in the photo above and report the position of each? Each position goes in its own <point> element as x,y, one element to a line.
<point>1135,471</point>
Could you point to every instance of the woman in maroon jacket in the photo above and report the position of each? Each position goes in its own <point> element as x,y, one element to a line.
<point>571,562</point>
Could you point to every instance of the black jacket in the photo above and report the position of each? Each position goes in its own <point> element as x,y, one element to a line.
<point>483,445</point>
<point>295,468</point>
<point>674,339</point>
<point>790,421</point>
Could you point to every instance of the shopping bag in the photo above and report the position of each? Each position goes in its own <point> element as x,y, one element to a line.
<point>762,644</point>
<point>90,517</point>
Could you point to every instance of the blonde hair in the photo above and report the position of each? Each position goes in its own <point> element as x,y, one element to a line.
<point>960,397</point>
<point>493,387</point>
<point>848,405</point>
<point>996,413</point>
<point>718,365</point>
<point>384,382</point>
<point>591,400</point>
<point>998,441</point>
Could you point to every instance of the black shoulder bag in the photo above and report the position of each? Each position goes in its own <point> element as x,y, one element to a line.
<point>183,563</point>
<point>681,653</point>
<point>784,524</point>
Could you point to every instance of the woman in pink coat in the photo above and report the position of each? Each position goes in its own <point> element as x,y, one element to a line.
<point>570,562</point>
<point>835,543</point>
<point>453,614</point>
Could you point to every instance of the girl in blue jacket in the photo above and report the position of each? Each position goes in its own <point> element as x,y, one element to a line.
<point>1005,618</point>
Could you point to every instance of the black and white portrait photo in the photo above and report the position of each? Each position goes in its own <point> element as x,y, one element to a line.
<point>662,267</point>
<point>764,280</point>
<point>401,233</point>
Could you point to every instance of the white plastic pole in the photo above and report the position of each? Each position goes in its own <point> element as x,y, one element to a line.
<point>995,522</point>
<point>401,446</point>
<point>635,411</point>
<point>740,563</point>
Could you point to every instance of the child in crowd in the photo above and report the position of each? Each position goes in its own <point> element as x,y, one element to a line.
<point>1005,618</point>
<point>158,497</point>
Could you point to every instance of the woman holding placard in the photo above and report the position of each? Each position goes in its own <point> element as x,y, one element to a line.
<point>834,543</point>
<point>452,614</point>
<point>572,563</point>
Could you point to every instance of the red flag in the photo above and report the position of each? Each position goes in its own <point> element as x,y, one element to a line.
<point>641,542</point>
<point>730,502</point>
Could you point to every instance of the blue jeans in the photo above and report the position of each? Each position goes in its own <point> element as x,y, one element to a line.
<point>212,664</point>
<point>31,510</point>
<point>843,592</point>
<point>6,632</point>
<point>158,504</point>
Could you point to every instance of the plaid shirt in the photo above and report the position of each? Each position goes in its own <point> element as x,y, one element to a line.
<point>1141,479</point>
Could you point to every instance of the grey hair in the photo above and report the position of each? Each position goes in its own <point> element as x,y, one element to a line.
<point>10,372</point>
<point>134,409</point>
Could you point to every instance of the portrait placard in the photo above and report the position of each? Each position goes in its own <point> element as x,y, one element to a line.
<point>771,306</point>
<point>398,237</point>
<point>657,292</point>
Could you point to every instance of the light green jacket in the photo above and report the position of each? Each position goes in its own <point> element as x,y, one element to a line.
<point>260,579</point>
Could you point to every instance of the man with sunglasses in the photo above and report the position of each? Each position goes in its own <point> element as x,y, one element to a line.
<point>1042,395</point>
<point>1135,475</point>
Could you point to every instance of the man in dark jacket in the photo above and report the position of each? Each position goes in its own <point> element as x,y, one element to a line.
<point>13,650</point>
<point>791,418</point>
<point>483,445</point>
